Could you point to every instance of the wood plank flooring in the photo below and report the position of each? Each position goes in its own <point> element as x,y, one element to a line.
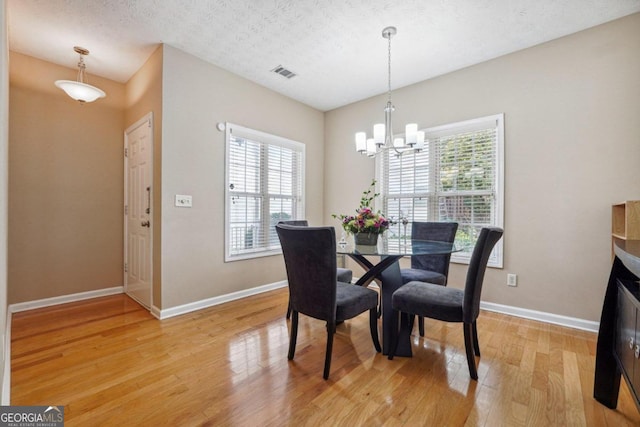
<point>109,362</point>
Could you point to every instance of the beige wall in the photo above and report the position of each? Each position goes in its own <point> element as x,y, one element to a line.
<point>572,148</point>
<point>65,184</point>
<point>196,96</point>
<point>144,95</point>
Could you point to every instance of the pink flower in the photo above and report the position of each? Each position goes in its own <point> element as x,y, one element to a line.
<point>365,211</point>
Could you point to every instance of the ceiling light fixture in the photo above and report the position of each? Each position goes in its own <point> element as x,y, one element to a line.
<point>383,138</point>
<point>79,90</point>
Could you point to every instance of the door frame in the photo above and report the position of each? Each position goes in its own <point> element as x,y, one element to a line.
<point>147,118</point>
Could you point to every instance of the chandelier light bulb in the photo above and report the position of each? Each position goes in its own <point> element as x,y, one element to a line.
<point>378,134</point>
<point>361,142</point>
<point>419,140</point>
<point>411,133</point>
<point>371,147</point>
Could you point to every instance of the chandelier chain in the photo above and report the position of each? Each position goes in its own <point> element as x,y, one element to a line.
<point>82,77</point>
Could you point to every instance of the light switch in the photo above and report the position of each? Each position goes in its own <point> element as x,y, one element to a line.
<point>183,201</point>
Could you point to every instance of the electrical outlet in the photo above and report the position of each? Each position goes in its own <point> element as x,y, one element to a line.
<point>183,201</point>
<point>512,279</point>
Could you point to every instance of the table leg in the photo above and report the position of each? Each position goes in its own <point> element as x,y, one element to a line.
<point>387,271</point>
<point>392,280</point>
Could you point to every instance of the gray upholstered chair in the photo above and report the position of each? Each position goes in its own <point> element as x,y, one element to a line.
<point>310,259</point>
<point>430,268</point>
<point>450,304</point>
<point>344,274</point>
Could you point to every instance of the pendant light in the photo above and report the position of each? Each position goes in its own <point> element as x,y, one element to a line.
<point>383,138</point>
<point>79,90</point>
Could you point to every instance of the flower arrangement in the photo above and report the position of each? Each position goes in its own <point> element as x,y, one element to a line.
<point>365,220</point>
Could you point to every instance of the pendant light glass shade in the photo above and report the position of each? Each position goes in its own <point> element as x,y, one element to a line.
<point>79,90</point>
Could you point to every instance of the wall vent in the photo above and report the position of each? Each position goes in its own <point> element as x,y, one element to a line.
<point>284,72</point>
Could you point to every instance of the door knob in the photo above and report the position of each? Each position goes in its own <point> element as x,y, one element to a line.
<point>146,223</point>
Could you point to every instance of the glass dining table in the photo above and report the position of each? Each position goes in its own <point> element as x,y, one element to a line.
<point>386,272</point>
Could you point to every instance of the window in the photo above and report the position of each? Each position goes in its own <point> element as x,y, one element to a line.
<point>264,185</point>
<point>458,176</point>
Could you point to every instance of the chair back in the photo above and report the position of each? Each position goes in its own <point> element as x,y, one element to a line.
<point>310,260</point>
<point>436,231</point>
<point>296,222</point>
<point>488,238</point>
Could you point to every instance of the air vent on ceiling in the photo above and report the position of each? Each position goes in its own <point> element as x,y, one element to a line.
<point>284,72</point>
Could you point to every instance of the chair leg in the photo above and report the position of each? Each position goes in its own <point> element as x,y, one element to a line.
<point>412,321</point>
<point>373,325</point>
<point>294,335</point>
<point>289,310</point>
<point>468,345</point>
<point>394,333</point>
<point>476,346</point>
<point>331,328</point>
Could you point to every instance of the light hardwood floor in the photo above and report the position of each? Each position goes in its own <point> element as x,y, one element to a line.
<point>109,362</point>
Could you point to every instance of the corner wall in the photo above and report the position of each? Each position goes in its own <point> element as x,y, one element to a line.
<point>572,148</point>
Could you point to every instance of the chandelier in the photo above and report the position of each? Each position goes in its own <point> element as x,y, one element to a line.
<point>383,138</point>
<point>79,90</point>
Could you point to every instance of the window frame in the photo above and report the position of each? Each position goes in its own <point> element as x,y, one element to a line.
<point>265,140</point>
<point>496,122</point>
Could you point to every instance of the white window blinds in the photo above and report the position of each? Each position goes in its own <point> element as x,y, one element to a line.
<point>264,185</point>
<point>457,177</point>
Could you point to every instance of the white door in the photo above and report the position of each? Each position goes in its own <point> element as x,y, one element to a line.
<point>138,161</point>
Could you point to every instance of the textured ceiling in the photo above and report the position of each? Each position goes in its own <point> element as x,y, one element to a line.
<point>335,46</point>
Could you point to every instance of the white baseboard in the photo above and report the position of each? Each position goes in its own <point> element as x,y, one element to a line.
<point>6,369</point>
<point>556,319</point>
<point>209,302</point>
<point>541,316</point>
<point>63,299</point>
<point>155,311</point>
